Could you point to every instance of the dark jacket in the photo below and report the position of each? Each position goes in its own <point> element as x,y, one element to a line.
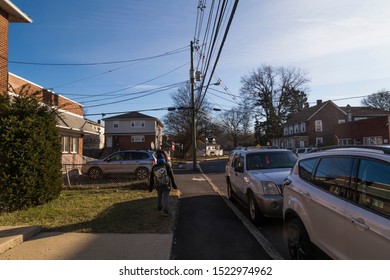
<point>169,172</point>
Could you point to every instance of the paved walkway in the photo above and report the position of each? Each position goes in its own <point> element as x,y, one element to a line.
<point>206,228</point>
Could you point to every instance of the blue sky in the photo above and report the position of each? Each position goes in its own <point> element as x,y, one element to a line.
<point>343,45</point>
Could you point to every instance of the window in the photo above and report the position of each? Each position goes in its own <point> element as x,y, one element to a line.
<point>319,141</point>
<point>333,175</point>
<point>137,138</point>
<point>116,124</point>
<point>138,123</point>
<point>291,129</point>
<point>373,187</point>
<point>306,168</point>
<point>285,131</point>
<point>296,128</point>
<point>318,125</point>
<point>345,142</point>
<point>340,121</point>
<point>139,155</point>
<point>373,140</point>
<point>65,144</point>
<point>75,144</point>
<point>303,127</point>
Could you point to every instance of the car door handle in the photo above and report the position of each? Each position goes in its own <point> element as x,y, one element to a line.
<point>306,194</point>
<point>359,223</point>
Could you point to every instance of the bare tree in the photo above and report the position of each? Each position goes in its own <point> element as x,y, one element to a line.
<point>178,122</point>
<point>275,93</point>
<point>380,100</point>
<point>236,123</point>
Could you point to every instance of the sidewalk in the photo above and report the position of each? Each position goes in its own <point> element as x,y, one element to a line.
<point>206,228</point>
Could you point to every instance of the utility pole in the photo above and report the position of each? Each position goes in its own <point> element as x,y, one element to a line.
<point>192,80</point>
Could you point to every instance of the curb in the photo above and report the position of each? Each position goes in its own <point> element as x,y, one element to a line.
<point>13,236</point>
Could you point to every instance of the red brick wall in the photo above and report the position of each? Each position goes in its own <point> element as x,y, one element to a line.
<point>21,86</point>
<point>3,52</point>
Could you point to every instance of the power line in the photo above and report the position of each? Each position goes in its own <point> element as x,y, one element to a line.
<point>182,49</point>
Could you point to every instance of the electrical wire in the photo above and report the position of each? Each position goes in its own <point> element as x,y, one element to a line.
<point>182,49</point>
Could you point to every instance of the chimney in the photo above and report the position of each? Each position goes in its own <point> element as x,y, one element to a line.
<point>349,113</point>
<point>319,101</point>
<point>3,52</point>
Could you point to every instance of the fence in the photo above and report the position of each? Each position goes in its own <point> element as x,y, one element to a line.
<point>72,178</point>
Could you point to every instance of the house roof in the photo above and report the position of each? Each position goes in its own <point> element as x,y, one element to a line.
<point>73,122</point>
<point>132,115</point>
<point>365,111</point>
<point>14,13</point>
<point>307,114</point>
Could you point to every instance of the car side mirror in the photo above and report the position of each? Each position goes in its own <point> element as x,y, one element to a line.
<point>239,169</point>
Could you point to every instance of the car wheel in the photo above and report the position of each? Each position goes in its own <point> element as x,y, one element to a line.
<point>95,173</point>
<point>142,173</point>
<point>298,241</point>
<point>230,191</point>
<point>255,215</point>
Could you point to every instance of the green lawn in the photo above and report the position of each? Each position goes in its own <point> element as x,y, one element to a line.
<point>98,210</point>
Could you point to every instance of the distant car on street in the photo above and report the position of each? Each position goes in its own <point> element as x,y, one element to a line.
<point>138,162</point>
<point>254,177</point>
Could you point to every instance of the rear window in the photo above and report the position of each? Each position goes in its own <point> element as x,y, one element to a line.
<point>256,161</point>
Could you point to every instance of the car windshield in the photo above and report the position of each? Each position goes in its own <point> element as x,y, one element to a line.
<point>271,160</point>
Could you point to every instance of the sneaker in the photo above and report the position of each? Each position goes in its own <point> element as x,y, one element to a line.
<point>166,213</point>
<point>159,208</point>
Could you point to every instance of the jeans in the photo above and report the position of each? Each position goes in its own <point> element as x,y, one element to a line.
<point>163,200</point>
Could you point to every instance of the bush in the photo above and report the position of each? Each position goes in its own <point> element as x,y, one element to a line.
<point>30,157</point>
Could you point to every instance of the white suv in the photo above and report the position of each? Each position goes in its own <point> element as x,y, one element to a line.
<point>254,177</point>
<point>338,200</point>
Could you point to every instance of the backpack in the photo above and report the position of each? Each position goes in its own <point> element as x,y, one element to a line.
<point>162,180</point>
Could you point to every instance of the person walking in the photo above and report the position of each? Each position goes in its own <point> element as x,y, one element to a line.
<point>162,179</point>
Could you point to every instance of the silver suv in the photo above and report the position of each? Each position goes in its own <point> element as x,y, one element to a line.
<point>338,200</point>
<point>254,177</point>
<point>138,162</point>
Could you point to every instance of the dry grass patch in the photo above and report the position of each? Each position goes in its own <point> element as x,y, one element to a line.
<point>98,210</point>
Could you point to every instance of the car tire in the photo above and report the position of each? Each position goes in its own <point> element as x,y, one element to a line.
<point>298,241</point>
<point>95,173</point>
<point>230,192</point>
<point>254,212</point>
<point>142,173</point>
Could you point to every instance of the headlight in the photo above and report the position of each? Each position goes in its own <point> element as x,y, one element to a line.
<point>270,188</point>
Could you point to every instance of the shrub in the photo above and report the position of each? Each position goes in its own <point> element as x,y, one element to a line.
<point>30,157</point>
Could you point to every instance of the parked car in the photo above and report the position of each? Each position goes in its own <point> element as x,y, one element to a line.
<point>300,151</point>
<point>338,201</point>
<point>254,177</point>
<point>138,162</point>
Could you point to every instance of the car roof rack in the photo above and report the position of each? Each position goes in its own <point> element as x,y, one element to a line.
<point>374,148</point>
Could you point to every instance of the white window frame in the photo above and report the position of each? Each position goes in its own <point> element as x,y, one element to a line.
<point>303,127</point>
<point>319,141</point>
<point>138,123</point>
<point>374,140</point>
<point>318,125</point>
<point>115,124</point>
<point>75,144</point>
<point>65,144</point>
<point>137,138</point>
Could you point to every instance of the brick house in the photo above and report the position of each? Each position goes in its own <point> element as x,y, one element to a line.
<point>9,13</point>
<point>132,131</point>
<point>71,123</point>
<point>70,117</point>
<point>370,131</point>
<point>315,126</point>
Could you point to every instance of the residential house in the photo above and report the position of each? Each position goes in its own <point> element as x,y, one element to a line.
<point>94,143</point>
<point>71,123</point>
<point>132,130</point>
<point>369,131</point>
<point>315,126</point>
<point>9,13</point>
